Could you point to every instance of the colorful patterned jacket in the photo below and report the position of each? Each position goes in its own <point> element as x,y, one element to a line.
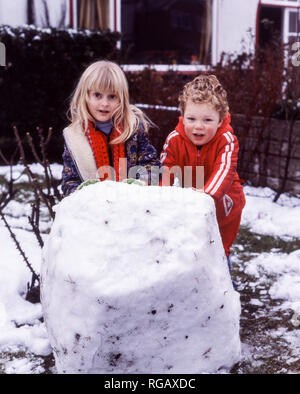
<point>79,164</point>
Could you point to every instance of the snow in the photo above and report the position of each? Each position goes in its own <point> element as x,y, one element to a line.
<point>144,282</point>
<point>263,216</point>
<point>165,67</point>
<point>23,366</point>
<point>21,328</point>
<point>19,319</point>
<point>157,107</point>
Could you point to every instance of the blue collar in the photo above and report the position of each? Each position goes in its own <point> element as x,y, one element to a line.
<point>105,127</point>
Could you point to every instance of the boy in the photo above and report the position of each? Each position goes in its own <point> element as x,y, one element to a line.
<point>204,137</point>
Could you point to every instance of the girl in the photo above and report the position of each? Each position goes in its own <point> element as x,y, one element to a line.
<point>105,130</point>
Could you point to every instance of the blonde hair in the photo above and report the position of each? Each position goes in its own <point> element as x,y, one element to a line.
<point>205,89</point>
<point>106,76</point>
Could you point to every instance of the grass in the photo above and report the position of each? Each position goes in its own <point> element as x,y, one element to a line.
<point>37,364</point>
<point>257,243</point>
<point>263,325</point>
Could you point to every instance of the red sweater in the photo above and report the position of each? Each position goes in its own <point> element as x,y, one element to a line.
<point>221,181</point>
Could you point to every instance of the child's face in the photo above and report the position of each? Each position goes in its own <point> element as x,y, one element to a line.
<point>201,122</point>
<point>102,105</point>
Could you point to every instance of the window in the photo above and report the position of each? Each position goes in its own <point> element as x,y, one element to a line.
<point>270,25</point>
<point>293,25</point>
<point>166,31</point>
<point>93,14</point>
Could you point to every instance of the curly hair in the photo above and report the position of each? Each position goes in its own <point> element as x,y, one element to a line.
<point>205,89</point>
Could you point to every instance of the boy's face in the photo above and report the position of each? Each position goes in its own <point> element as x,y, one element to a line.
<point>201,122</point>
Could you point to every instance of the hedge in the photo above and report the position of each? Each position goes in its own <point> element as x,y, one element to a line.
<point>41,72</point>
<point>44,65</point>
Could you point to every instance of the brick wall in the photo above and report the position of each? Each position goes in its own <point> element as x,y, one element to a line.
<point>269,152</point>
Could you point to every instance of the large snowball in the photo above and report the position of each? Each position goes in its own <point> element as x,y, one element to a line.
<point>135,280</point>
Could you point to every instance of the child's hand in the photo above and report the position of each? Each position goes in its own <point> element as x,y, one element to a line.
<point>135,181</point>
<point>88,182</point>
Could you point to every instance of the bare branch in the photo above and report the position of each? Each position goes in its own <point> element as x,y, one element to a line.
<point>47,199</point>
<point>35,276</point>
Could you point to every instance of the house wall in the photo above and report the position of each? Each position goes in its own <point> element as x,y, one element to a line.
<point>55,12</point>
<point>232,21</point>
<point>14,12</point>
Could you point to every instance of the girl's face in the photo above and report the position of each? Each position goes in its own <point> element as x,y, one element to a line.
<point>102,105</point>
<point>201,122</point>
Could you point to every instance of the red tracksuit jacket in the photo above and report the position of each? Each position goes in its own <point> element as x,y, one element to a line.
<point>221,181</point>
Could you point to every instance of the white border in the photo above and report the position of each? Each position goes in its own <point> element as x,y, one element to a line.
<point>282,3</point>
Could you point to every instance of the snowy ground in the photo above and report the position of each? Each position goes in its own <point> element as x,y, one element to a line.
<point>266,268</point>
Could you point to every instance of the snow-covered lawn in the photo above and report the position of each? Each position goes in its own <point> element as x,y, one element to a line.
<point>266,268</point>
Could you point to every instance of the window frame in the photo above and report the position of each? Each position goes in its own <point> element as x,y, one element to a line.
<point>286,24</point>
<point>281,3</point>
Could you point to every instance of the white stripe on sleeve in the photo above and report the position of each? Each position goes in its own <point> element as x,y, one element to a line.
<point>164,153</point>
<point>224,166</point>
